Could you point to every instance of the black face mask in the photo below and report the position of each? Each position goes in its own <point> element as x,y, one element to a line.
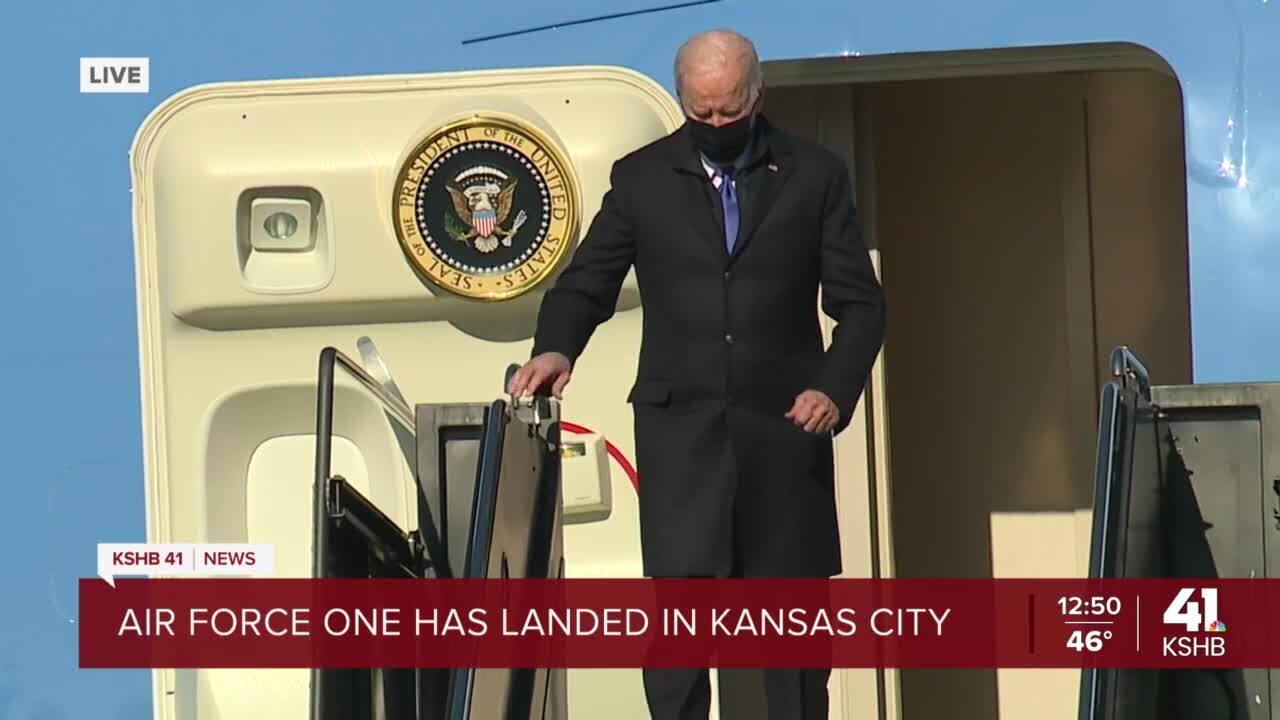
<point>722,145</point>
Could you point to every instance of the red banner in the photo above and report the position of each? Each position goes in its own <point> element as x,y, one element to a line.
<point>271,623</point>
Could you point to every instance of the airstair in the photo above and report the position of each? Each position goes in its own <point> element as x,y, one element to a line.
<point>1188,486</point>
<point>488,505</point>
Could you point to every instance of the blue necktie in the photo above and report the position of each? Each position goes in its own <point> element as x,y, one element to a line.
<point>729,202</point>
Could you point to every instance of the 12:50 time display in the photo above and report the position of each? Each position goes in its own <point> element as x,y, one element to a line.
<point>1089,605</point>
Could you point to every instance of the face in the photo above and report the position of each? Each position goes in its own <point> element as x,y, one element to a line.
<point>721,110</point>
<point>717,96</point>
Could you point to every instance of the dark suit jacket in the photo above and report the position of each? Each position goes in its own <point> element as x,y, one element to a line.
<point>727,484</point>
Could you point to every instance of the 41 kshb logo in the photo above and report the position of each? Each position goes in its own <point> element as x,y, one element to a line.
<point>1197,617</point>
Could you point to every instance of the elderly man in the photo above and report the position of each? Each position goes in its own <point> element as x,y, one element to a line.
<point>732,226</point>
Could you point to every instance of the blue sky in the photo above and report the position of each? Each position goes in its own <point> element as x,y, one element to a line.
<point>70,374</point>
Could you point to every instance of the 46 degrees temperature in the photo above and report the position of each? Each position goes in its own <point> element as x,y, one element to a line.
<point>1090,640</point>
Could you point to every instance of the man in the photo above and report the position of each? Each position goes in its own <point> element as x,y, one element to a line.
<point>732,225</point>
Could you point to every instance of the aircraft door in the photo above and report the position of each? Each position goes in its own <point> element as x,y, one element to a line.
<point>275,219</point>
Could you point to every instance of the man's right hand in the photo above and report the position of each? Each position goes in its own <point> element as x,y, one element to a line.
<point>550,368</point>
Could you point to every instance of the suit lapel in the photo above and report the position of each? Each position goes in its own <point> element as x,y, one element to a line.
<point>771,165</point>
<point>698,206</point>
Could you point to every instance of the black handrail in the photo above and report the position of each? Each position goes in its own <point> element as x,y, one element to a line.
<point>483,517</point>
<point>488,477</point>
<point>1095,685</point>
<point>1125,407</point>
<point>334,500</point>
<point>1126,366</point>
<point>511,372</point>
<point>1108,473</point>
<point>330,358</point>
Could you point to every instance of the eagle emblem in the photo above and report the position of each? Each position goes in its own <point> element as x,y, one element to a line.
<point>482,198</point>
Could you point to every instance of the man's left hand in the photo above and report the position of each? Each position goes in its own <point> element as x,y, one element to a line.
<point>814,412</point>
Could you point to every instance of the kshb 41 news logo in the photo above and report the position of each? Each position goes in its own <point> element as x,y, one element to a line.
<point>153,560</point>
<point>1196,616</point>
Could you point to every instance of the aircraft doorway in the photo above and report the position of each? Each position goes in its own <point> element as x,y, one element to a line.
<point>1027,214</point>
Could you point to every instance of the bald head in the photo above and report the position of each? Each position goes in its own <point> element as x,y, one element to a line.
<point>717,76</point>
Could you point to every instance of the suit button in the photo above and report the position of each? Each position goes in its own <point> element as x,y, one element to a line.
<point>728,338</point>
<point>727,274</point>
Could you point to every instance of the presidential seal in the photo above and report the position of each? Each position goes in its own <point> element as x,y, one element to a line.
<point>486,207</point>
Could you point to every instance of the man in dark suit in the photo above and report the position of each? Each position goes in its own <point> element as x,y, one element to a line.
<point>732,226</point>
